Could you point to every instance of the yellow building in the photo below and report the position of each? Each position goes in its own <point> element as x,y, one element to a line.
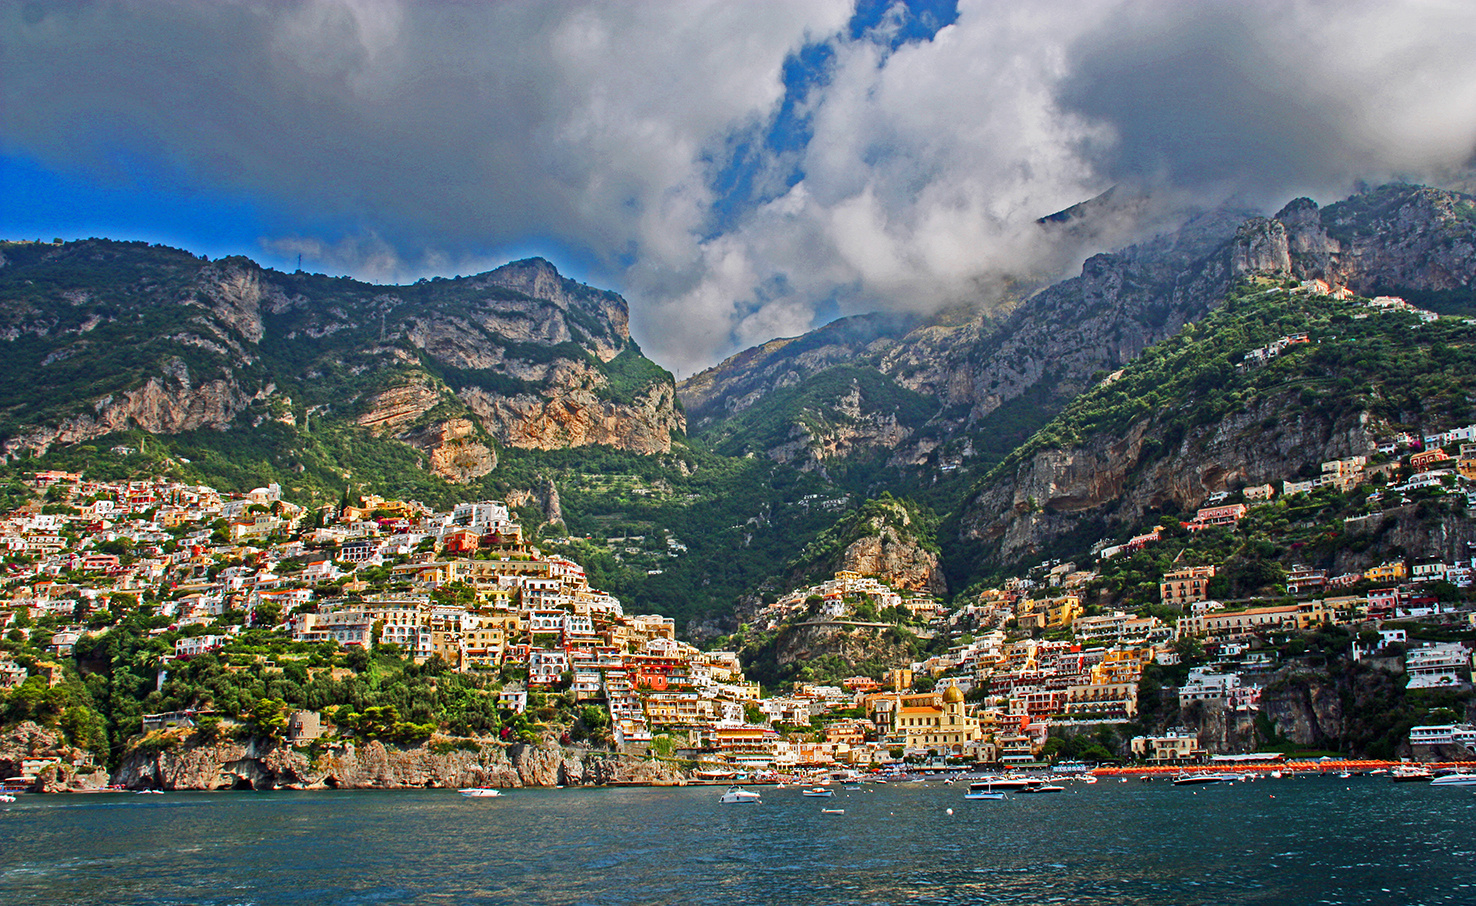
<point>942,727</point>
<point>1393,571</point>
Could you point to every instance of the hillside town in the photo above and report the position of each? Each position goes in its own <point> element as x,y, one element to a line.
<point>1019,663</point>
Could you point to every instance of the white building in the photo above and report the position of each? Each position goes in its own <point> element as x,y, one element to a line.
<point>1435,666</point>
<point>1206,685</point>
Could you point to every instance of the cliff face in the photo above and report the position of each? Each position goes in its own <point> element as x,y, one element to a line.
<point>1106,477</point>
<point>99,337</point>
<point>261,765</point>
<point>898,559</point>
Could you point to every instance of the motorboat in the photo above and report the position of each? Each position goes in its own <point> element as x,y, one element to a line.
<point>1205,777</point>
<point>819,792</point>
<point>1044,788</point>
<point>737,795</point>
<point>832,811</point>
<point>1457,779</point>
<point>148,792</point>
<point>480,792</point>
<point>1006,783</point>
<point>990,788</point>
<point>1410,774</point>
<point>6,797</point>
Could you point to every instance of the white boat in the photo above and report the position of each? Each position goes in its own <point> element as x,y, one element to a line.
<point>988,789</point>
<point>479,792</point>
<point>1044,788</point>
<point>832,811</point>
<point>1454,780</point>
<point>6,797</point>
<point>983,794</point>
<point>1410,774</point>
<point>1207,777</point>
<point>1089,779</point>
<point>737,795</point>
<point>818,792</point>
<point>149,792</point>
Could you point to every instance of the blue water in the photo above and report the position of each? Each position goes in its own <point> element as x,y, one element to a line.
<point>1292,841</point>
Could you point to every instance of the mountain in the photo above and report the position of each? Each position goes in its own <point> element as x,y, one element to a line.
<point>1187,418</point>
<point>101,337</point>
<point>126,359</point>
<point>961,389</point>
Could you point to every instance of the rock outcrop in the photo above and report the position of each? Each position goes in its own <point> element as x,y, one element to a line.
<point>67,768</point>
<point>896,558</point>
<point>262,764</point>
<point>851,642</point>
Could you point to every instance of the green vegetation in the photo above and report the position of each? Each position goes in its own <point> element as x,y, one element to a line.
<point>810,405</point>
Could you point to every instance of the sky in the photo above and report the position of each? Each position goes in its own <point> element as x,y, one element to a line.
<point>739,171</point>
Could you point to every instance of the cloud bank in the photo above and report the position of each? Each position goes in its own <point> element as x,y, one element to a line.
<point>739,170</point>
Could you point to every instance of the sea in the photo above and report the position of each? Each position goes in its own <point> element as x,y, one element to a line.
<point>1296,840</point>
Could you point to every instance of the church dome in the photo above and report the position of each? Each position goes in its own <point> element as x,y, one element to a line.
<point>951,695</point>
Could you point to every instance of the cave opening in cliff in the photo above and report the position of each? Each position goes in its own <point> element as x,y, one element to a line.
<point>330,782</point>
<point>242,783</point>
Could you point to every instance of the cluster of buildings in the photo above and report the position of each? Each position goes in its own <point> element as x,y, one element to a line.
<point>463,586</point>
<point>847,596</point>
<point>466,587</point>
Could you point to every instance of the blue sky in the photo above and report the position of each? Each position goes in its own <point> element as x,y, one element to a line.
<point>738,171</point>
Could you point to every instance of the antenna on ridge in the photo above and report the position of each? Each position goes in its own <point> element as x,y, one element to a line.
<point>299,262</point>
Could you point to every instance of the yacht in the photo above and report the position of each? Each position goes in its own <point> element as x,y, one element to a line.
<point>819,792</point>
<point>1207,777</point>
<point>479,792</point>
<point>737,795</point>
<point>1406,773</point>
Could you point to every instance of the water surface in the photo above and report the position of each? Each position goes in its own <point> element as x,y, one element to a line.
<point>1318,840</point>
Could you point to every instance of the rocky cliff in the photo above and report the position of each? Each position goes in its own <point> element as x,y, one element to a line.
<point>262,764</point>
<point>1119,478</point>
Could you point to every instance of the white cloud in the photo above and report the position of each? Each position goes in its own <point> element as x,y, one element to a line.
<point>433,135</point>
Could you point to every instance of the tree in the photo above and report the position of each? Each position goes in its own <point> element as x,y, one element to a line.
<point>268,717</point>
